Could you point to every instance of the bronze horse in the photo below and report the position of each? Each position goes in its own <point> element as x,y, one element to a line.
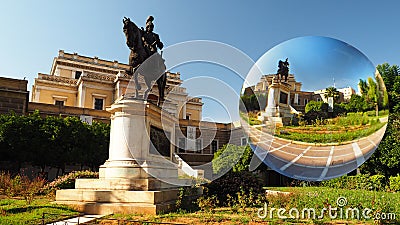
<point>151,67</point>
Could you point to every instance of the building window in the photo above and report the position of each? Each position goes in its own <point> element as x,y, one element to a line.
<point>98,103</point>
<point>214,146</point>
<point>182,144</point>
<point>199,144</point>
<point>305,101</point>
<point>59,100</point>
<point>78,74</point>
<point>243,141</point>
<point>59,103</point>
<point>188,117</point>
<point>318,99</point>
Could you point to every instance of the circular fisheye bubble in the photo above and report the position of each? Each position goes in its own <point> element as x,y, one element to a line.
<point>317,110</point>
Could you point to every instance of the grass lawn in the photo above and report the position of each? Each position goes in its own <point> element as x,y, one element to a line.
<point>335,130</point>
<point>16,211</point>
<point>327,133</point>
<point>301,198</point>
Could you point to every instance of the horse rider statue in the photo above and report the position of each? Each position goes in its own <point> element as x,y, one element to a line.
<point>144,44</point>
<point>283,70</point>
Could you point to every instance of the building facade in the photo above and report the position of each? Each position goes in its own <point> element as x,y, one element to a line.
<point>92,83</point>
<point>85,86</point>
<point>14,96</point>
<point>298,99</point>
<point>347,93</point>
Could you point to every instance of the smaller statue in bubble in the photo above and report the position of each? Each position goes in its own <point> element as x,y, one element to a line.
<point>283,70</point>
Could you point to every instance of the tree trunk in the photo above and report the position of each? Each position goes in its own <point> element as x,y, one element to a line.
<point>376,110</point>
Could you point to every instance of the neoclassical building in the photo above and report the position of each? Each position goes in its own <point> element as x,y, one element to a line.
<point>298,99</point>
<point>92,83</point>
<point>85,86</point>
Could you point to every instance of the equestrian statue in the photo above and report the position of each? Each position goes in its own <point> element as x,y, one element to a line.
<point>144,58</point>
<point>283,70</point>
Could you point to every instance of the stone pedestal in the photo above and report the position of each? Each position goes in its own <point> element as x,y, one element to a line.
<point>277,111</point>
<point>132,180</point>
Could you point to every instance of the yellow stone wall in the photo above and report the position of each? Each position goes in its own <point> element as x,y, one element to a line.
<point>194,113</point>
<point>91,93</point>
<point>49,96</point>
<point>65,73</point>
<point>97,80</point>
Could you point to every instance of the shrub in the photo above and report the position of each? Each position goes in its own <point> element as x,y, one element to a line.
<point>31,188</point>
<point>188,197</point>
<point>5,181</point>
<point>376,182</point>
<point>370,113</point>
<point>20,186</point>
<point>208,204</point>
<point>394,183</point>
<point>68,181</point>
<point>360,182</point>
<point>383,112</point>
<point>316,106</point>
<point>352,119</point>
<point>231,184</point>
<point>232,157</point>
<point>312,116</point>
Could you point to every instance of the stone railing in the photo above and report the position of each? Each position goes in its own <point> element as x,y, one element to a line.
<point>58,79</point>
<point>173,76</point>
<point>195,100</point>
<point>176,89</point>
<point>100,76</point>
<point>184,168</point>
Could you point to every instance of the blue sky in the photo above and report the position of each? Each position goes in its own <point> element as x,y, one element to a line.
<point>32,32</point>
<point>319,62</point>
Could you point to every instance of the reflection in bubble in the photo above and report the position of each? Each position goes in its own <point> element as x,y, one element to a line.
<point>317,111</point>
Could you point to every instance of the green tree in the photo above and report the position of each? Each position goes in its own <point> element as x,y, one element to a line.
<point>374,92</point>
<point>373,95</point>
<point>386,159</point>
<point>52,141</point>
<point>391,79</point>
<point>362,84</point>
<point>389,74</point>
<point>254,102</point>
<point>316,106</point>
<point>99,144</point>
<point>383,94</point>
<point>332,92</point>
<point>232,157</point>
<point>357,103</point>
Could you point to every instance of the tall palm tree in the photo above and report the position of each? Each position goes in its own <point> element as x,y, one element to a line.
<point>332,92</point>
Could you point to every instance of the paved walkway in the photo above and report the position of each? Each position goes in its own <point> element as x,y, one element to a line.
<point>310,161</point>
<point>77,220</point>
